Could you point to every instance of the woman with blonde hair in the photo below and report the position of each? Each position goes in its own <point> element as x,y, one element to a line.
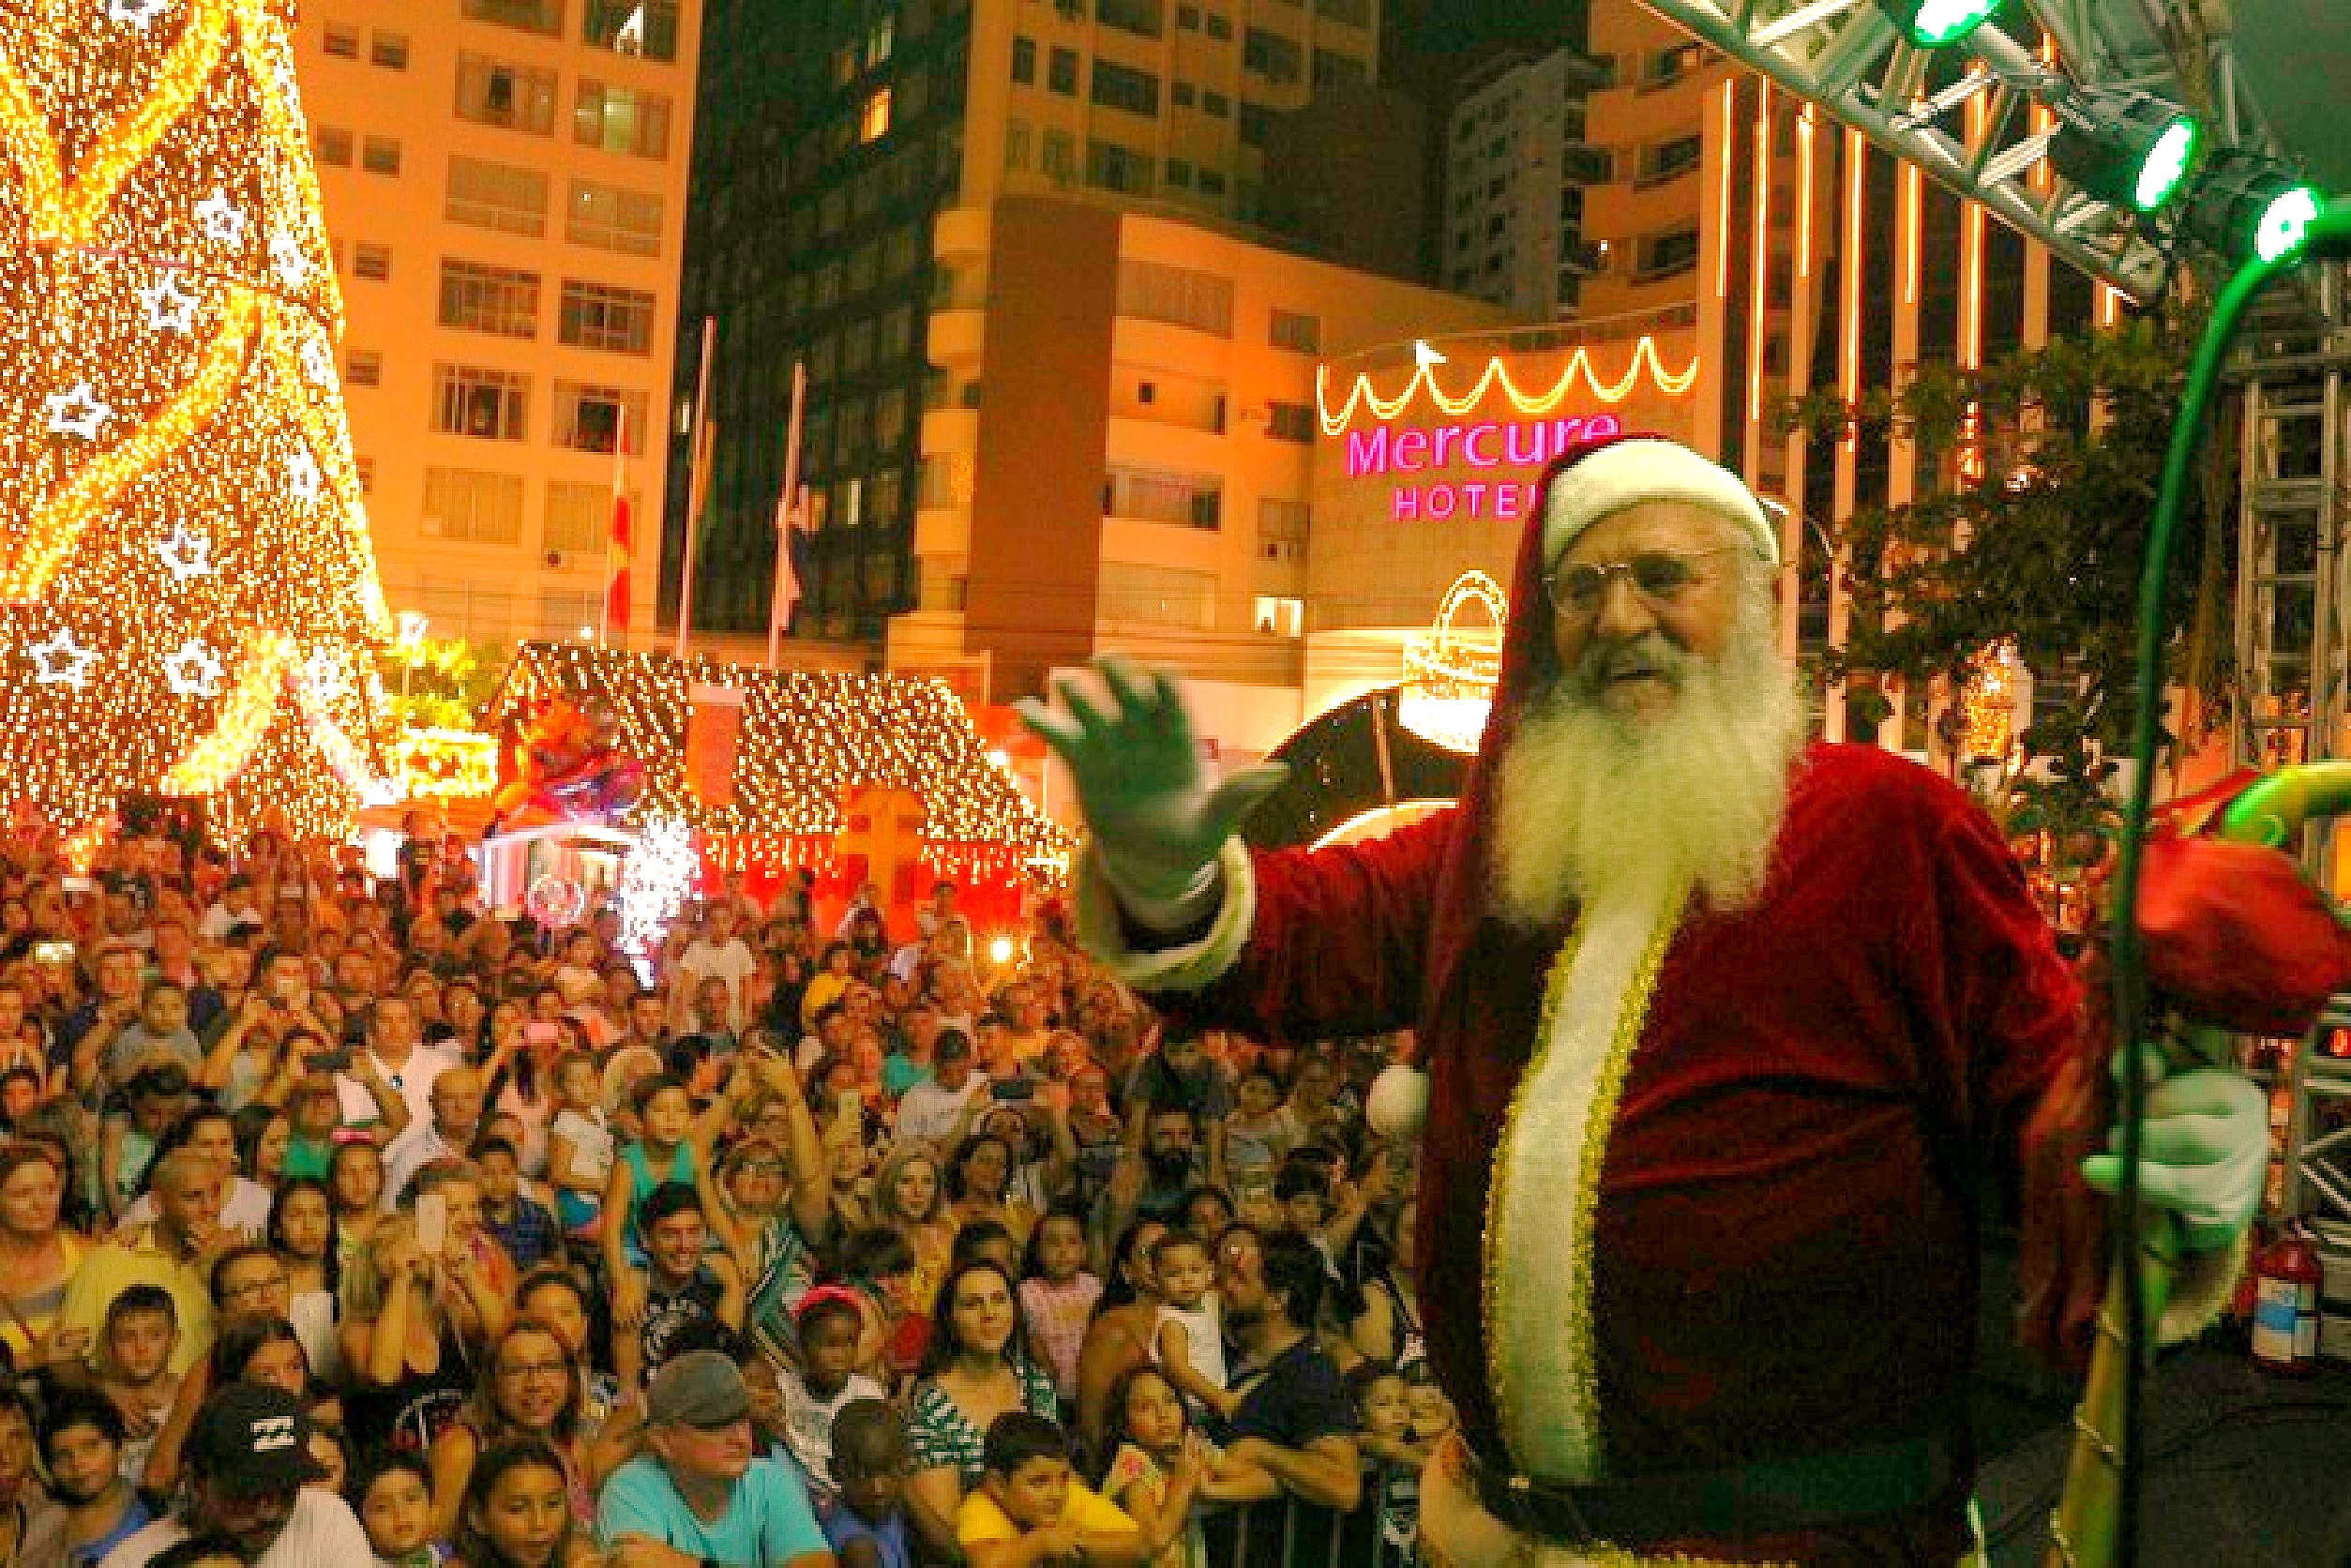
<point>408,1361</point>
<point>530,1388</point>
<point>909,1198</point>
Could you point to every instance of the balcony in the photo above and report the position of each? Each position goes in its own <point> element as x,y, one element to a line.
<point>957,337</point>
<point>960,233</point>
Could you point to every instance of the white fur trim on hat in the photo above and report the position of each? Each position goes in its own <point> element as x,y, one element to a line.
<point>1645,467</point>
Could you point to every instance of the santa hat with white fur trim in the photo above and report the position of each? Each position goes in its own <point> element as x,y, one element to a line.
<point>1642,469</point>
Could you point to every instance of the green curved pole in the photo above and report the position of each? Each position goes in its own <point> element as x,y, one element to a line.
<point>2331,234</point>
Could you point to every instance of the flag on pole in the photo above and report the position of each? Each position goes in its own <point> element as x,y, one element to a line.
<point>616,546</point>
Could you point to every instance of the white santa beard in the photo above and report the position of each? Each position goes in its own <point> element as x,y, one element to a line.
<point>1588,800</point>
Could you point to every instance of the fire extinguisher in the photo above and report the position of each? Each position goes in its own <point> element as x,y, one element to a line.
<point>2285,1311</point>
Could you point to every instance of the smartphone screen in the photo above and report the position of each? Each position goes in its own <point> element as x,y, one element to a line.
<point>433,1222</point>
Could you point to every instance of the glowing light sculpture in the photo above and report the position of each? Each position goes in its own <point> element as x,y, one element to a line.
<point>1449,672</point>
<point>181,528</point>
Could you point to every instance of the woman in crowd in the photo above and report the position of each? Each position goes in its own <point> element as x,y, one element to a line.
<point>409,1365</point>
<point>37,1254</point>
<point>907,1199</point>
<point>529,1388</point>
<point>976,1368</point>
<point>355,1177</point>
<point>978,1174</point>
<point>1124,1326</point>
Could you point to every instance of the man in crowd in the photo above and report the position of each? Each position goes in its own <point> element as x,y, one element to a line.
<point>456,1099</point>
<point>395,1049</point>
<point>175,1252</point>
<point>1729,1034</point>
<point>249,1462</point>
<point>699,1495</point>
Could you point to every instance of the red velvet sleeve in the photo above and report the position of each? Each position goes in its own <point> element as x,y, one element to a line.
<point>1339,945</point>
<point>2024,1067</point>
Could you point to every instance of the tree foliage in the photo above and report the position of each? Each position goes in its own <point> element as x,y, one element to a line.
<point>442,684</point>
<point>2048,465</point>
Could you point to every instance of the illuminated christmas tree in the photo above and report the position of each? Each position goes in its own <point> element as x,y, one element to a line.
<point>188,595</point>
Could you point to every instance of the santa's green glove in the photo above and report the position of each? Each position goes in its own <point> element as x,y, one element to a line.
<point>1155,820</point>
<point>2203,1154</point>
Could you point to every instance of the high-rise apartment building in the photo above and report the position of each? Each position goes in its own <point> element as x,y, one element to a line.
<point>835,133</point>
<point>505,188</point>
<point>1515,168</point>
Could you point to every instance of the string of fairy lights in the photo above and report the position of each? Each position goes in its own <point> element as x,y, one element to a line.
<point>807,737</point>
<point>189,600</point>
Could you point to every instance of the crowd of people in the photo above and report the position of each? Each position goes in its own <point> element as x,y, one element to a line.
<point>343,1219</point>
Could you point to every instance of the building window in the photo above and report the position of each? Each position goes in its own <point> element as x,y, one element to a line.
<point>1017,137</point>
<point>372,262</point>
<point>1188,18</point>
<point>1153,290</point>
<point>1192,500</point>
<point>621,120</point>
<point>1664,160</point>
<point>1141,17</point>
<point>1183,94</point>
<point>889,420</point>
<point>1355,13</point>
<point>1290,422</point>
<point>1257,120</point>
<point>569,612</point>
<point>497,196</point>
<point>1282,527</point>
<point>531,16</point>
<point>1270,55</point>
<point>1156,597</point>
<point>1118,87</point>
<point>493,299</point>
<point>342,40</point>
<point>390,50</point>
<point>501,92</point>
<point>880,41</point>
<point>873,119</point>
<point>1211,182</point>
<point>613,218</point>
<point>1297,331</point>
<point>1024,61</point>
<point>1057,155</point>
<point>363,367</point>
<point>366,469</point>
<point>601,316</point>
<point>1178,173</point>
<point>577,522</point>
<point>481,508</point>
<point>487,405</point>
<point>1215,105</point>
<point>333,145</point>
<point>1333,70</point>
<point>1664,255</point>
<point>1219,26</point>
<point>1061,72</point>
<point>1111,167</point>
<point>1278,617</point>
<point>645,28</point>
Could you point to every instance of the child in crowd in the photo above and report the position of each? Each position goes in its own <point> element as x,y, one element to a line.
<point>521,1225</point>
<point>878,1263</point>
<point>579,1147</point>
<point>140,1333</point>
<point>1027,1512</point>
<point>828,1320</point>
<point>1057,1293</point>
<point>1189,1340</point>
<point>1181,1072</point>
<point>1158,1465</point>
<point>1261,1132</point>
<point>868,1526</point>
<point>394,1501</point>
<point>517,1513</point>
<point>1384,1529</point>
<point>684,1285</point>
<point>1432,1412</point>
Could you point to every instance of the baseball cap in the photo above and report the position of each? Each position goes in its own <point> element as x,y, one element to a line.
<point>700,1388</point>
<point>250,1440</point>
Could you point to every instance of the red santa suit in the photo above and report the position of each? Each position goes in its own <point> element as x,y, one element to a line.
<point>1700,1192</point>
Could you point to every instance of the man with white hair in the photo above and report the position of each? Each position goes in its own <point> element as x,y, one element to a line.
<point>1729,1035</point>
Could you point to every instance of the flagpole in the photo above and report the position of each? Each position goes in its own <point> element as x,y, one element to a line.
<point>779,607</point>
<point>620,499</point>
<point>698,481</point>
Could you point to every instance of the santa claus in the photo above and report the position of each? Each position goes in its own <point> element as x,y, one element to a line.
<point>1731,1039</point>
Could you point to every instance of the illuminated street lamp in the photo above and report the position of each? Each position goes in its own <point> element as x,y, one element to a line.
<point>1935,23</point>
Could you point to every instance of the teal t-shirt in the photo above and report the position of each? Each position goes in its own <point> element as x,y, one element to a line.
<point>768,1521</point>
<point>899,1075</point>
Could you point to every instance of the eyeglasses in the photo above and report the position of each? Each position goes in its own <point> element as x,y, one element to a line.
<point>253,1289</point>
<point>1658,576</point>
<point>762,1168</point>
<point>536,1369</point>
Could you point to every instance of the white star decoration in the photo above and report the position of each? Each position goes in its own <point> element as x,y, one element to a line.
<point>186,553</point>
<point>136,12</point>
<point>194,670</point>
<point>302,472</point>
<point>60,660</point>
<point>317,363</point>
<point>171,305</point>
<point>288,261</point>
<point>77,411</point>
<point>222,219</point>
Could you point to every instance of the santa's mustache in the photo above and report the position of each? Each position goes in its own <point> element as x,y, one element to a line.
<point>1651,653</point>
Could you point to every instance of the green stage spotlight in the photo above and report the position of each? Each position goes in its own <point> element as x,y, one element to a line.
<point>2248,205</point>
<point>1933,24</point>
<point>2285,222</point>
<point>2135,150</point>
